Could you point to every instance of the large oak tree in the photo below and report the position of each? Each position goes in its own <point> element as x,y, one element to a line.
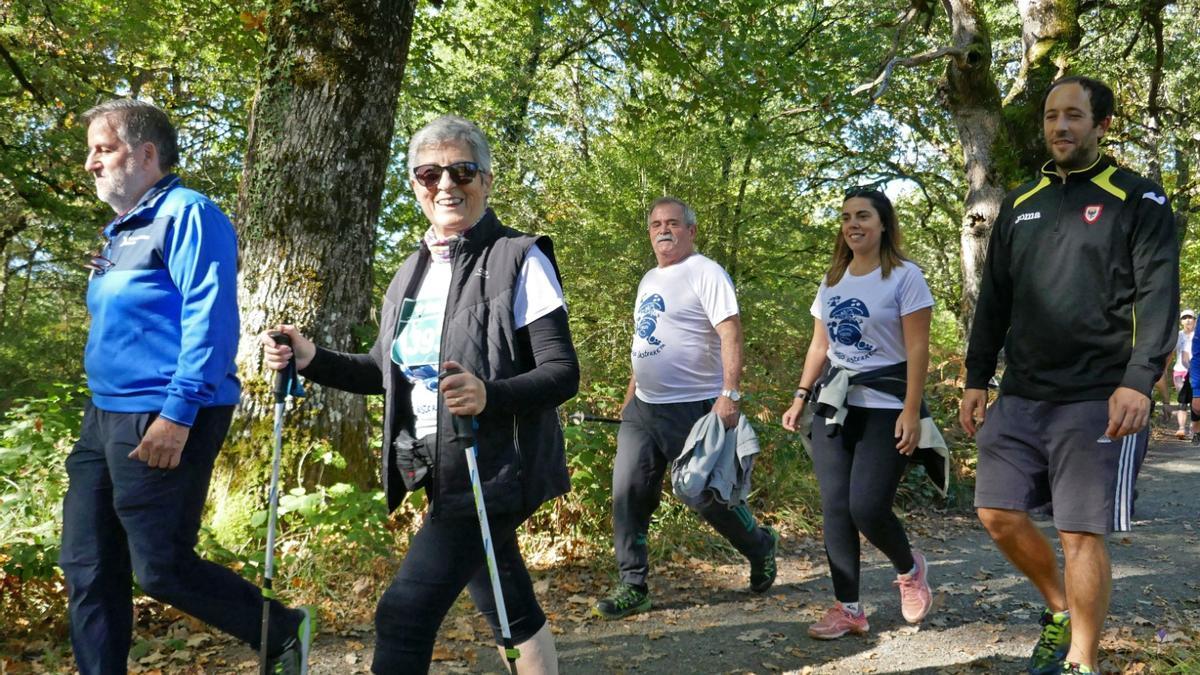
<point>319,146</point>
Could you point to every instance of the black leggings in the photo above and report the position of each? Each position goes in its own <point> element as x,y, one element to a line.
<point>858,471</point>
<point>444,556</point>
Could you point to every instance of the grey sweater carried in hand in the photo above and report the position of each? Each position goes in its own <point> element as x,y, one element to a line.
<point>715,463</point>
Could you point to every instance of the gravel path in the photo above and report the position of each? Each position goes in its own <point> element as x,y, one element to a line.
<point>704,621</point>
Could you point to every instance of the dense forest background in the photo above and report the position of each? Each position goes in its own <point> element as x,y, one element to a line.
<point>294,116</point>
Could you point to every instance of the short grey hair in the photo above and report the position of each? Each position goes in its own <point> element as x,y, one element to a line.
<point>450,129</point>
<point>689,214</point>
<point>137,122</point>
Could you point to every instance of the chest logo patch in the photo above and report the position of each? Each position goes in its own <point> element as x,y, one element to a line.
<point>1032,215</point>
<point>133,239</point>
<point>1092,213</point>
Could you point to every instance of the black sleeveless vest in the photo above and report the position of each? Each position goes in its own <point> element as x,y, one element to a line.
<point>521,458</point>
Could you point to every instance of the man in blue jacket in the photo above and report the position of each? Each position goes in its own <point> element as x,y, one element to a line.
<point>162,295</point>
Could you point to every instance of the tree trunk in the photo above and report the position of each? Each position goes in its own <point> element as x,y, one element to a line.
<point>319,144</point>
<point>717,243</point>
<point>1183,200</point>
<point>516,126</point>
<point>27,282</point>
<point>5,261</point>
<point>1152,15</point>
<point>1050,33</point>
<point>8,232</point>
<point>579,116</point>
<point>735,224</point>
<point>970,94</point>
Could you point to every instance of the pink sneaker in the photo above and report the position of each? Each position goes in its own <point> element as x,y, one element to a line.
<point>837,622</point>
<point>915,596</point>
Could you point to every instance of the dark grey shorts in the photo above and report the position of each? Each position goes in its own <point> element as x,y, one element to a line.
<point>1032,453</point>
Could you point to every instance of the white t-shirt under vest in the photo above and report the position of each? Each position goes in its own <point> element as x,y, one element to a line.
<point>676,350</point>
<point>862,318</point>
<point>418,342</point>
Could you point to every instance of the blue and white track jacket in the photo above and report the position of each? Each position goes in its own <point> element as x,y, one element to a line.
<point>164,329</point>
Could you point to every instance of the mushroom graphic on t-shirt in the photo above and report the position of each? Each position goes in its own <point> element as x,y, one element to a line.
<point>647,317</point>
<point>845,325</point>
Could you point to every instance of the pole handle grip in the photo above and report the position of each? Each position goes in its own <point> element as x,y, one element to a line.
<point>464,425</point>
<point>283,378</point>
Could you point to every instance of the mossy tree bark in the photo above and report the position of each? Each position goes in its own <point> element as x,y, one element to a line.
<point>970,94</point>
<point>1050,34</point>
<point>1001,139</point>
<point>318,150</point>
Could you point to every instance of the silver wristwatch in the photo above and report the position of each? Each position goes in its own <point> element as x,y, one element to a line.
<point>732,394</point>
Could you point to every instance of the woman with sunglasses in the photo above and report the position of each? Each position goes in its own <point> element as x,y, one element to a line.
<point>473,325</point>
<point>865,368</point>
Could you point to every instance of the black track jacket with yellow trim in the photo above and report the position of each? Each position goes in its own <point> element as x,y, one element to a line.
<point>1080,287</point>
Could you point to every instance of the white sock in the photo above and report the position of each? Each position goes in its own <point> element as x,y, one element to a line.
<point>854,608</point>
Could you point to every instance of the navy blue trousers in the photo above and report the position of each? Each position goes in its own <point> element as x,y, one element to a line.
<point>122,519</point>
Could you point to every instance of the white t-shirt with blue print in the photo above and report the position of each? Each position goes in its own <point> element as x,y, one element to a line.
<point>676,349</point>
<point>418,342</point>
<point>861,316</point>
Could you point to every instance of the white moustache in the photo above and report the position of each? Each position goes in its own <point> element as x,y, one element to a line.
<point>665,237</point>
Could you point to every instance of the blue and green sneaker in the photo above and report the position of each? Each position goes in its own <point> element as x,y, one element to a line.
<point>627,599</point>
<point>762,570</point>
<point>1053,644</point>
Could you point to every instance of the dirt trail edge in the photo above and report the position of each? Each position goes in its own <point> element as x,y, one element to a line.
<point>984,618</point>
<point>705,621</point>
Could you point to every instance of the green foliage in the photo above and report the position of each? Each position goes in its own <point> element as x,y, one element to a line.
<point>35,438</point>
<point>591,450</point>
<point>63,57</point>
<point>326,537</point>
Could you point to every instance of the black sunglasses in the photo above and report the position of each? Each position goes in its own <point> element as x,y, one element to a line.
<point>97,263</point>
<point>95,260</point>
<point>430,175</point>
<point>861,191</point>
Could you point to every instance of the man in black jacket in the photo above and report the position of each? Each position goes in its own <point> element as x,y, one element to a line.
<point>1081,289</point>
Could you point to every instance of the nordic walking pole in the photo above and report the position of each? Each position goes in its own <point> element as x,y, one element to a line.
<point>283,381</point>
<point>465,427</point>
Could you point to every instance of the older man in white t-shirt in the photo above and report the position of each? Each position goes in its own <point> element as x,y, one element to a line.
<point>687,361</point>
